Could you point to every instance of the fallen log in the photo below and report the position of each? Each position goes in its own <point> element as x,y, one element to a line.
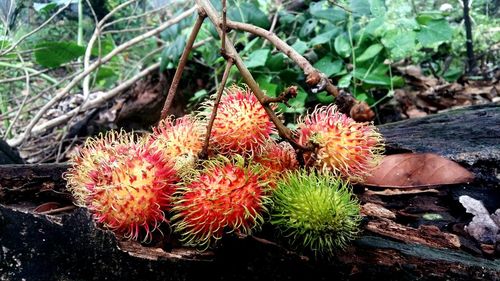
<point>399,242</point>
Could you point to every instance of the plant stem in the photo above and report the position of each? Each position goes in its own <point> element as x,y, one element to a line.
<point>182,63</point>
<point>29,69</point>
<point>283,131</point>
<point>220,90</point>
<point>471,61</point>
<point>79,39</point>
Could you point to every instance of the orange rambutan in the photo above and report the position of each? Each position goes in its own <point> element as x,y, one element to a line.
<point>277,158</point>
<point>226,196</point>
<point>344,147</point>
<point>126,185</point>
<point>179,140</point>
<point>242,125</point>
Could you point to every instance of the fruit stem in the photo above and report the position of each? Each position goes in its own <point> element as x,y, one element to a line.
<point>204,152</point>
<point>182,63</point>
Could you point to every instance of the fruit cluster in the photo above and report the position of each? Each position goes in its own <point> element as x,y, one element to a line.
<point>132,184</point>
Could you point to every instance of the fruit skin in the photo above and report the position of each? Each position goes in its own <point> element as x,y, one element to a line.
<point>315,211</point>
<point>344,147</point>
<point>227,196</point>
<point>101,149</point>
<point>277,158</point>
<point>180,140</point>
<point>126,185</point>
<point>241,126</point>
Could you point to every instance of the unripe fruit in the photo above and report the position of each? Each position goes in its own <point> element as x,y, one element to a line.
<point>316,212</point>
<point>227,196</point>
<point>127,186</point>
<point>344,147</point>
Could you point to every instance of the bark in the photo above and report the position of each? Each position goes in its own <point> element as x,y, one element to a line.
<point>395,245</point>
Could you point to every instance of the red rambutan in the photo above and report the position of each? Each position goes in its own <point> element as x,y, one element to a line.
<point>344,147</point>
<point>179,140</point>
<point>242,125</point>
<point>277,158</point>
<point>226,196</point>
<point>127,186</point>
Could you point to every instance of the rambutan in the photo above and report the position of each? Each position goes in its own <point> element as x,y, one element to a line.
<point>227,196</point>
<point>345,147</point>
<point>277,158</point>
<point>126,185</point>
<point>179,140</point>
<point>242,125</point>
<point>316,211</point>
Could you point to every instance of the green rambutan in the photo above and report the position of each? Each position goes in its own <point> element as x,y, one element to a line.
<point>242,125</point>
<point>316,211</point>
<point>345,147</point>
<point>226,196</point>
<point>126,185</point>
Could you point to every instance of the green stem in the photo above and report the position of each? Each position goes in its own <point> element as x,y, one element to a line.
<point>79,40</point>
<point>31,70</point>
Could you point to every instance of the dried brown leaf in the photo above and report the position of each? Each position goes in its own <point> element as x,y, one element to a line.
<point>410,170</point>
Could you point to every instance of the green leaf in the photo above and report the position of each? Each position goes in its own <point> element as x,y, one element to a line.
<point>370,52</point>
<point>297,104</point>
<point>199,95</point>
<point>321,10</point>
<point>365,97</point>
<point>401,43</point>
<point>300,46</point>
<point>288,75</point>
<point>426,17</point>
<point>267,86</point>
<point>248,13</point>
<point>434,32</point>
<point>342,46</point>
<point>172,52</point>
<point>106,76</point>
<point>360,8</point>
<point>44,7</point>
<point>257,58</point>
<point>308,28</point>
<point>372,78</point>
<point>325,98</point>
<point>329,66</point>
<point>377,7</point>
<point>323,38</point>
<point>107,45</point>
<point>276,62</point>
<point>54,54</point>
<point>345,81</point>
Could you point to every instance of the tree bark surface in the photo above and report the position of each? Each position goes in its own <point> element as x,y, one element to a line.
<point>68,246</point>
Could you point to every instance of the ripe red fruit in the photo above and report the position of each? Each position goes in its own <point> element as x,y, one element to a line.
<point>226,196</point>
<point>277,158</point>
<point>179,140</point>
<point>127,186</point>
<point>344,147</point>
<point>242,125</point>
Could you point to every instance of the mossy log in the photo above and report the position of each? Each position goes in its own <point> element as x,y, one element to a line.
<point>64,243</point>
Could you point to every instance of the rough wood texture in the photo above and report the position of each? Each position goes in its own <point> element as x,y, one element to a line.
<point>68,246</point>
<point>470,136</point>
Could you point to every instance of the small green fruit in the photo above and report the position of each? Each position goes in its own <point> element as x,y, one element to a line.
<point>315,211</point>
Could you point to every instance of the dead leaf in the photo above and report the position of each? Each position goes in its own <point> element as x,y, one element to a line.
<point>46,207</point>
<point>417,170</point>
